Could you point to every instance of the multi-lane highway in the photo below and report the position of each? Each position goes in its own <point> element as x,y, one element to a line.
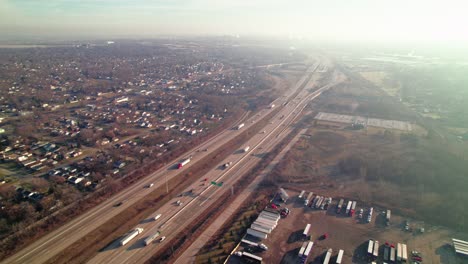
<point>55,242</point>
<point>199,196</point>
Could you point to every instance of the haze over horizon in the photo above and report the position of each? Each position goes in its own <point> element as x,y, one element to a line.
<point>395,21</point>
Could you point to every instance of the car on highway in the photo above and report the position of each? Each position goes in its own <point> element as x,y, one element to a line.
<point>118,204</point>
<point>178,203</point>
<point>162,239</point>
<point>150,185</point>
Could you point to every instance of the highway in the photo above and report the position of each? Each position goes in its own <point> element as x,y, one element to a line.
<point>55,242</point>
<point>200,195</point>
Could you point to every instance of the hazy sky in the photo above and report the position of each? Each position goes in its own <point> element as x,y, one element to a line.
<point>376,20</point>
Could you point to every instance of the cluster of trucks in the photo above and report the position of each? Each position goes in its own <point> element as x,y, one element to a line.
<point>264,224</point>
<point>319,202</point>
<point>390,252</point>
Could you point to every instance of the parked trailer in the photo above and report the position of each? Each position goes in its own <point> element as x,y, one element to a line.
<point>269,217</point>
<point>398,252</point>
<point>328,256</point>
<point>339,258</point>
<point>263,221</point>
<point>306,231</point>
<point>249,242</point>
<point>283,195</point>
<point>252,257</point>
<point>348,207</point>
<point>353,209</point>
<point>303,248</point>
<point>392,254</point>
<point>314,201</point>
<point>240,126</point>
<point>339,206</point>
<point>387,217</point>
<point>151,238</point>
<point>319,202</point>
<point>386,253</point>
<point>256,233</point>
<point>301,194</point>
<point>376,249</point>
<point>404,253</point>
<point>309,198</point>
<point>135,232</point>
<point>370,247</point>
<point>183,163</point>
<point>272,212</point>
<point>260,229</point>
<point>310,244</point>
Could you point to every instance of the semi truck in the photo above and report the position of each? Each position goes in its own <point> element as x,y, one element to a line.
<point>301,194</point>
<point>339,258</point>
<point>319,202</point>
<point>404,253</point>
<point>387,217</point>
<point>257,234</point>
<point>339,206</point>
<point>305,233</point>
<point>328,256</point>
<point>135,232</point>
<point>308,199</point>
<point>183,163</point>
<point>348,207</point>
<point>240,126</point>
<point>370,247</point>
<point>353,209</point>
<point>375,253</point>
<point>151,238</point>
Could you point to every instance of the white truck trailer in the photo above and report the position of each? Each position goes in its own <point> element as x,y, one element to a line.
<point>135,232</point>
<point>308,199</point>
<point>151,238</point>
<point>404,253</point>
<point>301,194</point>
<point>398,252</point>
<point>256,233</point>
<point>370,247</point>
<point>328,256</point>
<point>375,252</point>
<point>348,207</point>
<point>339,258</point>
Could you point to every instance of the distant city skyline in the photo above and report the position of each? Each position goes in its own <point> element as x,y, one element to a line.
<point>396,21</point>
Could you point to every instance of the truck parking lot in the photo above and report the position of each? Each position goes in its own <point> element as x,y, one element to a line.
<point>329,230</point>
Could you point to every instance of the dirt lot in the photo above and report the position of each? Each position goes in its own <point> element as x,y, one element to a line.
<point>351,235</point>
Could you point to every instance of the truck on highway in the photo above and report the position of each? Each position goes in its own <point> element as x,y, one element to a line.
<point>339,206</point>
<point>348,207</point>
<point>130,236</point>
<point>156,217</point>
<point>183,163</point>
<point>151,238</point>
<point>240,126</point>
<point>246,149</point>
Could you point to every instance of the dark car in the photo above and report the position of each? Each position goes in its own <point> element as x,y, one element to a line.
<point>118,204</point>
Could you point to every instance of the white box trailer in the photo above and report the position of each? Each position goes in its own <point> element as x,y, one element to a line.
<point>151,238</point>
<point>271,213</point>
<point>267,221</point>
<point>392,254</point>
<point>305,233</point>
<point>301,194</point>
<point>267,225</point>
<point>130,236</point>
<point>398,252</point>
<point>260,229</point>
<point>263,226</point>
<point>328,256</point>
<point>339,258</point>
<point>303,248</point>
<point>255,233</point>
<point>404,253</point>
<point>310,244</point>
<point>348,207</point>
<point>308,199</point>
<point>268,217</point>
<point>376,249</point>
<point>370,247</point>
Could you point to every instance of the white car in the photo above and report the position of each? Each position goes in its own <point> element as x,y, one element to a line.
<point>162,239</point>
<point>178,203</point>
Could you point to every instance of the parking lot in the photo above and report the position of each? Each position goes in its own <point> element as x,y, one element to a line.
<point>350,234</point>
